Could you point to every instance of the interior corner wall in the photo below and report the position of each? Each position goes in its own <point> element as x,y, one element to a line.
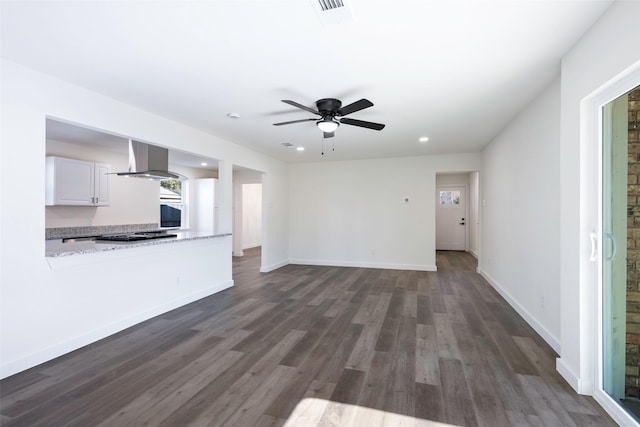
<point>354,213</point>
<point>520,254</point>
<point>604,53</point>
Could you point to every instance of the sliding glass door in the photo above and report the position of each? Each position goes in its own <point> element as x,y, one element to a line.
<point>621,250</point>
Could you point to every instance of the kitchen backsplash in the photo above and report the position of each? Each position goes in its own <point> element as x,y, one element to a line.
<point>64,232</point>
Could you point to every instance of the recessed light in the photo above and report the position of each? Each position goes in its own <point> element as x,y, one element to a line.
<point>423,139</point>
<point>300,148</point>
<point>203,164</point>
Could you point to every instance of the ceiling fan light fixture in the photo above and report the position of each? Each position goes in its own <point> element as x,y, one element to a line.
<point>327,124</point>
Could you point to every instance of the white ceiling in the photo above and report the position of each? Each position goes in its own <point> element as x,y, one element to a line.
<point>455,71</point>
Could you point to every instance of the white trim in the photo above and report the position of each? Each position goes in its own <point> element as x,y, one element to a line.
<point>271,267</point>
<point>574,381</point>
<point>75,343</point>
<point>252,245</point>
<point>537,326</point>
<point>362,264</point>
<point>238,253</point>
<point>613,408</point>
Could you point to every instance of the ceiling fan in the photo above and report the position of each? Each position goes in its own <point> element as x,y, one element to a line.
<point>332,114</point>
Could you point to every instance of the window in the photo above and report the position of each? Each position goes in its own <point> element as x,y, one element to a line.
<point>449,197</point>
<point>172,208</point>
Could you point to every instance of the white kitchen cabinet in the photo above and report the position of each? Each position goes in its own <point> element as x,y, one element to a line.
<point>72,182</point>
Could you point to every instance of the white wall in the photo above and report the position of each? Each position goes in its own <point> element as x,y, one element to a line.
<point>474,213</point>
<point>193,173</point>
<point>44,311</point>
<point>520,253</point>
<point>444,179</point>
<point>353,213</point>
<point>133,201</point>
<point>603,55</point>
<point>251,215</point>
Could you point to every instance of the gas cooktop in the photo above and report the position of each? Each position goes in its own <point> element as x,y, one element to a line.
<point>134,237</point>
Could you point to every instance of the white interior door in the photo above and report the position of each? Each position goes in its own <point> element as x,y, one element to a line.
<point>451,218</point>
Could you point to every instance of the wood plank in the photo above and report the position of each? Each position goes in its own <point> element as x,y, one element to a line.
<point>424,313</point>
<point>429,402</point>
<point>458,406</point>
<point>348,387</point>
<point>427,366</point>
<point>447,345</point>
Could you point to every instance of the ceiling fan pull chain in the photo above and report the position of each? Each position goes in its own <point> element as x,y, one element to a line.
<point>323,146</point>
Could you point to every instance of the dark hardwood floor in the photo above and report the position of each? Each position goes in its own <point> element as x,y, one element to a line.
<point>306,346</point>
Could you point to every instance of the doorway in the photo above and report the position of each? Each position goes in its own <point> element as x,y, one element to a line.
<point>247,211</point>
<point>457,211</point>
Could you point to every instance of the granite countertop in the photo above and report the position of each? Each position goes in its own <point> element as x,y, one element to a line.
<point>55,247</point>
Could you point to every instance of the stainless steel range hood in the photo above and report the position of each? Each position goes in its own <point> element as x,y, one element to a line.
<point>148,161</point>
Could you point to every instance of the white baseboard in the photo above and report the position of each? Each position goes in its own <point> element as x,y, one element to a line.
<point>50,353</point>
<point>532,321</point>
<point>252,245</point>
<point>387,266</point>
<point>238,253</point>
<point>568,375</point>
<point>474,253</point>
<point>271,267</point>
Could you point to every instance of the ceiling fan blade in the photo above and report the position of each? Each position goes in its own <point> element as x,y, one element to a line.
<point>294,121</point>
<point>362,124</point>
<point>329,134</point>
<point>303,107</point>
<point>356,106</point>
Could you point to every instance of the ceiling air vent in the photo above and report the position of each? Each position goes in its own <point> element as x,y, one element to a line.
<point>287,144</point>
<point>332,12</point>
<point>330,4</point>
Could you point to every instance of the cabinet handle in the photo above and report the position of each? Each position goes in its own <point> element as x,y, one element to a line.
<point>97,200</point>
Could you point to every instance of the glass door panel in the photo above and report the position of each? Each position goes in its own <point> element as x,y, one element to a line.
<point>621,251</point>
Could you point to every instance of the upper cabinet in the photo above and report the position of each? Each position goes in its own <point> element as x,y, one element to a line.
<point>76,183</point>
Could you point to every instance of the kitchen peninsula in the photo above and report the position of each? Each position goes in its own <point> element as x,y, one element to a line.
<point>84,240</point>
<point>109,286</point>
